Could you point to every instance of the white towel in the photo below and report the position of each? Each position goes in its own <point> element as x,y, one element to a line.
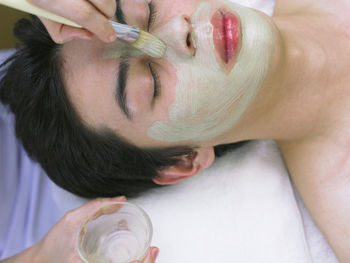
<point>241,209</point>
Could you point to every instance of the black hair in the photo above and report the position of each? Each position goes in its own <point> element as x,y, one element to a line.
<point>84,161</point>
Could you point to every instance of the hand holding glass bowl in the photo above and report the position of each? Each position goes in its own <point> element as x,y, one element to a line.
<point>118,232</point>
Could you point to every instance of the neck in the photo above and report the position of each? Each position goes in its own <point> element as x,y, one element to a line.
<point>299,93</point>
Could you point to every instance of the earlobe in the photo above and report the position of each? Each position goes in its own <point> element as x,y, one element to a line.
<point>188,166</point>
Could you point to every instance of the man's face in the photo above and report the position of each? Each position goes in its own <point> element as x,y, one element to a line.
<point>218,55</point>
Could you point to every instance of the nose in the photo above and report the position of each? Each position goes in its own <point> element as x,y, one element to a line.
<point>177,34</point>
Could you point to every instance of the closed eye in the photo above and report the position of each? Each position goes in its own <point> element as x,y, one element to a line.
<point>152,14</point>
<point>156,81</point>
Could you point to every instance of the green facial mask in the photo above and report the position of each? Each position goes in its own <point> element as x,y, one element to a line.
<point>209,101</point>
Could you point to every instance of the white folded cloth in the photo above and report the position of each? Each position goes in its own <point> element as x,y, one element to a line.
<point>241,209</point>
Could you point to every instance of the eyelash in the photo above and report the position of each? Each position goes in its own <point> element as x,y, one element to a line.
<point>156,81</point>
<point>152,14</point>
<point>155,76</point>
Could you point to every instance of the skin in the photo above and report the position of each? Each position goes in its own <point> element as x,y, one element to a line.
<point>317,153</point>
<point>303,104</point>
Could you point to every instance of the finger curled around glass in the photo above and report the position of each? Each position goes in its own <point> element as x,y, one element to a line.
<point>106,210</point>
<point>105,206</point>
<point>94,205</point>
<point>100,206</point>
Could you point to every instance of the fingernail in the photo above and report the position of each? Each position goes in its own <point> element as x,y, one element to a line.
<point>154,253</point>
<point>112,36</point>
<point>84,37</point>
<point>118,198</point>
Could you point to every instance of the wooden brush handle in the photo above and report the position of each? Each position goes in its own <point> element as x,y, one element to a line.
<point>25,6</point>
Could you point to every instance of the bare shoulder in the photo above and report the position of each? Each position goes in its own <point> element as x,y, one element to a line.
<point>320,171</point>
<point>329,20</point>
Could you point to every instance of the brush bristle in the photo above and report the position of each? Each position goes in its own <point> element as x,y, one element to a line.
<point>150,45</point>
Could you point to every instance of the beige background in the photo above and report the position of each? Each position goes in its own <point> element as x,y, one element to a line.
<point>8,17</point>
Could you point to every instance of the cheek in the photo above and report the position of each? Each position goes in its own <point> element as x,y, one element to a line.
<point>140,94</point>
<point>168,79</point>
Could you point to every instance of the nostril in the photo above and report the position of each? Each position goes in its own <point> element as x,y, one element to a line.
<point>188,40</point>
<point>190,45</point>
<point>189,28</point>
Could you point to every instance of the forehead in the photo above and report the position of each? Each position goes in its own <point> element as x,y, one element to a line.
<point>134,10</point>
<point>87,77</point>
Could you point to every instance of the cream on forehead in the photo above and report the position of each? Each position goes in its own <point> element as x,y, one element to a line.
<point>118,50</point>
<point>208,102</point>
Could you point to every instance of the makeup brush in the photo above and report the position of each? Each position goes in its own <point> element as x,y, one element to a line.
<point>140,39</point>
<point>137,38</point>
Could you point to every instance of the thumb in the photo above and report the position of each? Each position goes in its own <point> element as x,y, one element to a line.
<point>150,257</point>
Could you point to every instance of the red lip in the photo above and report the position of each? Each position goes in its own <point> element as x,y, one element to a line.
<point>227,36</point>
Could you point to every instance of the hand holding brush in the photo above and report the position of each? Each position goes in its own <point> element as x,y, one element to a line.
<point>81,19</point>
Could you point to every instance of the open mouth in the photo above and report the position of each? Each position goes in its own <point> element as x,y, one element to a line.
<point>227,36</point>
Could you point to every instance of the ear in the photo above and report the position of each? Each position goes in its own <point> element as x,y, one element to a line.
<point>188,166</point>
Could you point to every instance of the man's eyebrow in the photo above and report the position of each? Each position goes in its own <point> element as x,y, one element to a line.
<point>120,93</point>
<point>119,14</point>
